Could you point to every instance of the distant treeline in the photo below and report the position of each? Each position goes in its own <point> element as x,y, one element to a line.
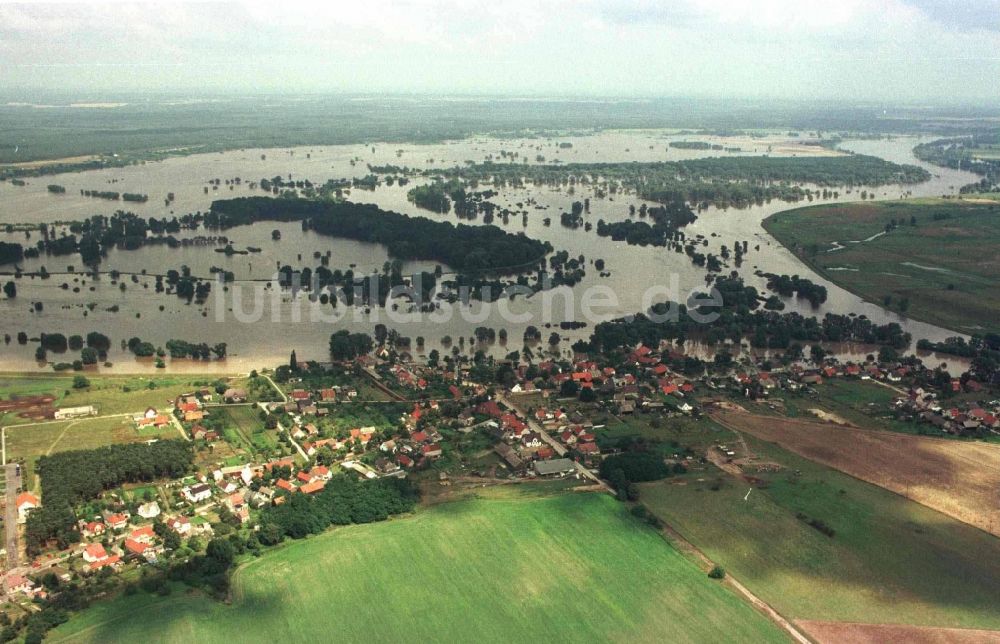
<point>462,247</point>
<point>694,145</point>
<point>722,181</point>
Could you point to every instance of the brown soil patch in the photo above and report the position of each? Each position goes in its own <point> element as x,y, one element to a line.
<point>45,162</point>
<point>847,632</point>
<point>33,407</point>
<point>960,479</point>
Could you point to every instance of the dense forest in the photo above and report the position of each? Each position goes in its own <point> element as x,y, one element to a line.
<point>739,318</point>
<point>70,478</point>
<point>343,501</point>
<point>462,247</point>
<point>722,181</point>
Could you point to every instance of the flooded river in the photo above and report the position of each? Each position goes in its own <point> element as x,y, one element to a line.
<point>638,275</point>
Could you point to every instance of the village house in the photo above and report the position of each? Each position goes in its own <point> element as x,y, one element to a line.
<point>197,493</point>
<point>17,583</point>
<point>200,433</point>
<point>179,524</point>
<point>116,521</point>
<point>507,453</point>
<point>234,395</point>
<point>149,510</point>
<point>94,552</point>
<point>312,487</point>
<point>431,450</point>
<point>25,503</point>
<point>91,529</point>
<point>531,440</point>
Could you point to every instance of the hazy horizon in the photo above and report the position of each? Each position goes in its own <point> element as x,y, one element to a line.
<point>915,52</point>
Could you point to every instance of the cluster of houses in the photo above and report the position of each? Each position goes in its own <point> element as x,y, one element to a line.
<point>186,407</point>
<point>960,419</point>
<point>117,536</point>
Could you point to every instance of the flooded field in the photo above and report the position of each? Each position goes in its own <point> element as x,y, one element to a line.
<point>634,276</point>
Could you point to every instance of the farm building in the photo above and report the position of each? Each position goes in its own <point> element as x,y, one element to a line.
<point>557,466</point>
<point>66,413</point>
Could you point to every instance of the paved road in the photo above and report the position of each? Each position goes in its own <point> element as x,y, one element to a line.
<point>10,514</point>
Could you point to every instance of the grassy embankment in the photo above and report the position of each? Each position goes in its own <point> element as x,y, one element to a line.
<point>943,270</point>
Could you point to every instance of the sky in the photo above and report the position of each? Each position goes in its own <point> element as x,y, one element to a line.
<point>915,51</point>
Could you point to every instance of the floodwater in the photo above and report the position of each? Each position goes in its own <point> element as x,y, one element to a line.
<point>262,326</point>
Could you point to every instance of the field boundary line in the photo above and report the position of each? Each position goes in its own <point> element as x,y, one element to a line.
<point>673,536</point>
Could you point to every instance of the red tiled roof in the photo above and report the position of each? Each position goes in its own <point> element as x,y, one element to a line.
<point>315,486</point>
<point>96,551</point>
<point>144,532</point>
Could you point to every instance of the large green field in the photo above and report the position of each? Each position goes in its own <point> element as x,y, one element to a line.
<point>889,560</point>
<point>944,269</point>
<point>572,567</point>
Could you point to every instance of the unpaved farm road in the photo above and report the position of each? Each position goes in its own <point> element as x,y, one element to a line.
<point>13,481</point>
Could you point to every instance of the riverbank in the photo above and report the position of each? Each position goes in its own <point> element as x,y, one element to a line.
<point>930,259</point>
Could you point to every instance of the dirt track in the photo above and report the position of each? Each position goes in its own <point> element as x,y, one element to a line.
<point>958,478</point>
<point>840,632</point>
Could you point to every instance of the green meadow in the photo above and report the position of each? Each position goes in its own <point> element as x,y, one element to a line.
<point>888,560</point>
<point>566,568</point>
<point>942,268</point>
